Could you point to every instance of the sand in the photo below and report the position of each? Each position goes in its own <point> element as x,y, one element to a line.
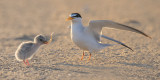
<point>22,20</point>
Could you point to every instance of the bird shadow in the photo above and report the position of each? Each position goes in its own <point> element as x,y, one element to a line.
<point>31,37</point>
<point>25,37</point>
<point>136,64</point>
<point>117,49</point>
<point>45,68</point>
<point>41,68</point>
<point>85,66</point>
<point>133,22</point>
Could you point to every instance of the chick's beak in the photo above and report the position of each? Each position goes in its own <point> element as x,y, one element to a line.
<point>70,18</point>
<point>45,42</point>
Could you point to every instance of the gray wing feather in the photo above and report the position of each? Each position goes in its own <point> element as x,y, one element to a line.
<point>116,41</point>
<point>96,27</point>
<point>26,48</point>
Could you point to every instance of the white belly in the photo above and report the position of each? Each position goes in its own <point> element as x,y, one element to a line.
<point>81,43</point>
<point>85,41</point>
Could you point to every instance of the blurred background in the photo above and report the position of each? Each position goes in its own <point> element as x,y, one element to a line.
<point>22,20</point>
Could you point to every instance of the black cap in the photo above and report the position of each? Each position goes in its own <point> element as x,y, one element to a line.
<point>75,15</point>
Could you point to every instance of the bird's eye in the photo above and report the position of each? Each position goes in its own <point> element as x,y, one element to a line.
<point>41,40</point>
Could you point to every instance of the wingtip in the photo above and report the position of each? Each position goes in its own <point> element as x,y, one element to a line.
<point>130,49</point>
<point>147,35</point>
<point>150,37</point>
<point>137,31</point>
<point>127,47</point>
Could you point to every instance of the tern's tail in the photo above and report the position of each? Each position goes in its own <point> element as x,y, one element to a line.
<point>106,45</point>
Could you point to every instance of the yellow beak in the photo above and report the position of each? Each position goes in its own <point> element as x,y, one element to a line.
<point>70,18</point>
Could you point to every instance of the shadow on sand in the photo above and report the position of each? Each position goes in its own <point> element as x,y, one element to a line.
<point>45,68</point>
<point>134,22</point>
<point>136,64</point>
<point>86,66</point>
<point>26,37</point>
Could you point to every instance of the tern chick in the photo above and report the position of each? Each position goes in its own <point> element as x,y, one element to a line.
<point>27,50</point>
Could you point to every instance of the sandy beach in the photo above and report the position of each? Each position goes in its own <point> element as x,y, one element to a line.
<point>22,20</point>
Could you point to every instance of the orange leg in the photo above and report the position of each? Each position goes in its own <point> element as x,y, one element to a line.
<point>1,60</point>
<point>82,56</point>
<point>89,56</point>
<point>27,62</point>
<point>24,62</point>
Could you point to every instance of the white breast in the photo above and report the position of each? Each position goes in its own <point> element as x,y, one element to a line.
<point>82,39</point>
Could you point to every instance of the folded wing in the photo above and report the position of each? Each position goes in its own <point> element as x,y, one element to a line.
<point>26,48</point>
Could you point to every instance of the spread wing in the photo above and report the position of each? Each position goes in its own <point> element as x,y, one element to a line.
<point>116,41</point>
<point>95,26</point>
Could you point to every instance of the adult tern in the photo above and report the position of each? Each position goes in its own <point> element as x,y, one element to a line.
<point>88,38</point>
